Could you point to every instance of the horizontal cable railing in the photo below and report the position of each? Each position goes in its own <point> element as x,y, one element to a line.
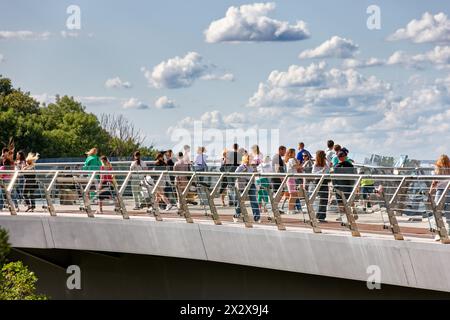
<point>396,204</point>
<point>214,165</point>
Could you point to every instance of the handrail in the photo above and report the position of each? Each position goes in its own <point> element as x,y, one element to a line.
<point>232,174</point>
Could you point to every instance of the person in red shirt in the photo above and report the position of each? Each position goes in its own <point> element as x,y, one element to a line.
<point>107,186</point>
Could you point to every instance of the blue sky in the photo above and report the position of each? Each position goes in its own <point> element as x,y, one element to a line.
<point>389,108</point>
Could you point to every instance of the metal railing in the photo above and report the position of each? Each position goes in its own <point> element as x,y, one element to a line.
<point>214,165</point>
<point>400,205</point>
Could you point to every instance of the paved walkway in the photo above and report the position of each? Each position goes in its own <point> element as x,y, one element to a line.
<point>374,222</point>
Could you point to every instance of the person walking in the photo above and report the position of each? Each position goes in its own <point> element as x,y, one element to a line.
<point>301,152</point>
<point>321,167</point>
<point>137,165</point>
<point>330,153</point>
<point>224,183</point>
<point>30,185</point>
<point>161,189</point>
<point>180,181</point>
<point>241,183</point>
<point>292,166</point>
<point>92,161</point>
<point>263,184</point>
<point>345,185</point>
<point>278,166</point>
<point>19,164</point>
<point>438,186</point>
<point>5,181</point>
<point>256,157</point>
<point>108,186</point>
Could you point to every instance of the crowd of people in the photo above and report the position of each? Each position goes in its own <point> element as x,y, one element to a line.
<point>26,183</point>
<point>334,159</point>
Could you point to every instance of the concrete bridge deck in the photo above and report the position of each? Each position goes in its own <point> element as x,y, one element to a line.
<point>416,262</point>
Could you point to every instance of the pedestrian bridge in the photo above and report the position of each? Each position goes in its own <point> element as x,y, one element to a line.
<point>395,234</point>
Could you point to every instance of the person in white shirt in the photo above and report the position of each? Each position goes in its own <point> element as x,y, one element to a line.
<point>256,157</point>
<point>330,152</point>
<point>263,183</point>
<point>292,166</point>
<point>186,155</point>
<point>137,165</point>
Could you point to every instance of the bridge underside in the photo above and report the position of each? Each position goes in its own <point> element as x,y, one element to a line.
<point>134,276</point>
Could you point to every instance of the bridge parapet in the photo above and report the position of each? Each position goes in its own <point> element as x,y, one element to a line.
<point>400,205</point>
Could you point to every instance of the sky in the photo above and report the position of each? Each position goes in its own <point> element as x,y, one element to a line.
<point>301,70</point>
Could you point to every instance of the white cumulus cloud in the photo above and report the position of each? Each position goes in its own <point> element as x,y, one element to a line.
<point>69,34</point>
<point>134,103</point>
<point>365,63</point>
<point>24,35</point>
<point>429,28</point>
<point>116,82</point>
<point>316,88</point>
<point>336,47</point>
<point>165,103</point>
<point>178,72</point>
<point>224,77</point>
<point>250,23</point>
<point>439,57</point>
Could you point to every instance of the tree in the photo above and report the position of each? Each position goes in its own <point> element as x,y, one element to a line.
<point>70,131</point>
<point>16,281</point>
<point>4,246</point>
<point>63,128</point>
<point>124,138</point>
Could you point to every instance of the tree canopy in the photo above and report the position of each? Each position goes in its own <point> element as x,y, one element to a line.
<point>16,281</point>
<point>59,129</point>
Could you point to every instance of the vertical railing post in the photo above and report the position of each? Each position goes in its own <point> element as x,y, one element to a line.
<point>9,188</point>
<point>152,206</point>
<point>312,215</point>
<point>241,197</point>
<point>86,196</point>
<point>184,210</point>
<point>316,190</point>
<point>242,208</point>
<point>119,193</point>
<point>351,223</point>
<point>152,194</point>
<point>275,200</point>
<point>442,200</point>
<point>275,211</point>
<point>389,204</point>
<point>437,213</point>
<point>47,192</point>
<point>210,196</point>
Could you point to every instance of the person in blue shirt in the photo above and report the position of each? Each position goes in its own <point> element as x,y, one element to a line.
<point>301,151</point>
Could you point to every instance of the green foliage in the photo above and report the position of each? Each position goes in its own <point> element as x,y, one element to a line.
<point>60,129</point>
<point>16,281</point>
<point>4,246</point>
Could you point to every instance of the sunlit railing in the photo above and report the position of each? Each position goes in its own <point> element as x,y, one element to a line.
<point>214,165</point>
<point>353,202</point>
